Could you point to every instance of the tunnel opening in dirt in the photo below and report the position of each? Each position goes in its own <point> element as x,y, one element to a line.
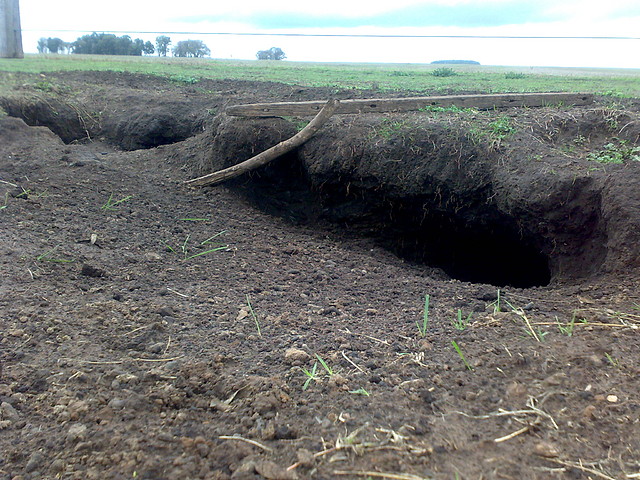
<point>442,191</point>
<point>433,191</point>
<point>130,126</point>
<point>445,222</point>
<point>479,246</point>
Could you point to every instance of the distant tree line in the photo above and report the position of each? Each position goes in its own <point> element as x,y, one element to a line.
<point>456,62</point>
<point>109,44</point>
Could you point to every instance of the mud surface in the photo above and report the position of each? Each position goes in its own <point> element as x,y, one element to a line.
<point>270,328</point>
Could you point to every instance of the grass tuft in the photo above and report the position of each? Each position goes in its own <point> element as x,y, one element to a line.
<point>254,316</point>
<point>461,323</point>
<point>567,329</point>
<point>184,248</point>
<point>444,72</point>
<point>326,367</point>
<point>461,355</point>
<point>312,375</point>
<point>514,75</point>
<point>112,204</point>
<point>422,328</point>
<point>496,304</point>
<point>613,361</point>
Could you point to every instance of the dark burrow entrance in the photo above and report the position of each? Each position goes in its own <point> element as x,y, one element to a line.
<point>143,127</point>
<point>479,246</point>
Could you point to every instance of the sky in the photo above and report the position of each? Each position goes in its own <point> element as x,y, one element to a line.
<point>519,18</point>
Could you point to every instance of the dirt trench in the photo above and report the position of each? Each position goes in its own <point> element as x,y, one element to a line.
<point>522,206</point>
<point>448,193</point>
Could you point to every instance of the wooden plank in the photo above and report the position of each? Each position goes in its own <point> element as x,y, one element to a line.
<point>381,105</point>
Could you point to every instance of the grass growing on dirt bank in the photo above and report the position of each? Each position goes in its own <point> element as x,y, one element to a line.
<point>412,77</point>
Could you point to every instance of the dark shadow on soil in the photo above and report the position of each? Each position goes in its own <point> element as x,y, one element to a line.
<point>476,247</point>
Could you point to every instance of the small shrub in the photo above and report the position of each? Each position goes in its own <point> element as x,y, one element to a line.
<point>501,128</point>
<point>184,79</point>
<point>514,75</point>
<point>444,72</point>
<point>44,86</point>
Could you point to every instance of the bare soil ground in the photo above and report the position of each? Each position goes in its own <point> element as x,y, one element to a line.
<point>271,328</point>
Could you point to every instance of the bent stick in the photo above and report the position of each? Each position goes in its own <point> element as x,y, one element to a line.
<point>272,153</point>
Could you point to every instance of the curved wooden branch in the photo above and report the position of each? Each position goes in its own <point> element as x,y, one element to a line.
<point>274,152</point>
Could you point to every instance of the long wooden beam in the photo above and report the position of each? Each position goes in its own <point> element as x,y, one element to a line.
<point>380,105</point>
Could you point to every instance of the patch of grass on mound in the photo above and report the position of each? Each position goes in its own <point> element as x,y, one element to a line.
<point>616,152</point>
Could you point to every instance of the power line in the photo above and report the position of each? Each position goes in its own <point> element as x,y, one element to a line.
<point>344,35</point>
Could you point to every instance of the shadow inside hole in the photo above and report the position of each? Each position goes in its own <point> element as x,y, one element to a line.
<point>483,247</point>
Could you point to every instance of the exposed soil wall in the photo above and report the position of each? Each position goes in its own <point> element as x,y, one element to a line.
<point>446,191</point>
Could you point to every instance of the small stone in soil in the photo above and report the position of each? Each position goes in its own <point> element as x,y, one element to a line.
<point>8,412</point>
<point>294,355</point>
<point>35,460</point>
<point>155,348</point>
<point>545,449</point>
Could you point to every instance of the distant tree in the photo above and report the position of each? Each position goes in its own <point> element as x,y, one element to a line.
<point>42,45</point>
<point>137,47</point>
<point>108,44</point>
<point>191,48</point>
<point>55,45</point>
<point>162,45</point>
<point>274,53</point>
<point>52,45</point>
<point>148,48</point>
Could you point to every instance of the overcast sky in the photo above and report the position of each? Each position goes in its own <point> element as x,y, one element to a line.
<point>585,18</point>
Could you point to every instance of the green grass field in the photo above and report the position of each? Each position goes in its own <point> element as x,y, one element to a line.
<point>410,77</point>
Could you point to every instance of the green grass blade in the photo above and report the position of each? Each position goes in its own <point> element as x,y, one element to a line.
<point>253,315</point>
<point>422,329</point>
<point>461,355</point>
<point>212,237</point>
<point>208,251</point>
<point>327,368</point>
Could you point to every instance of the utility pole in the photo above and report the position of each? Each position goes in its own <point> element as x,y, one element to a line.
<point>10,31</point>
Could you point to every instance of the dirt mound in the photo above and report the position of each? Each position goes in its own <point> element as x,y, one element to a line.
<point>139,111</point>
